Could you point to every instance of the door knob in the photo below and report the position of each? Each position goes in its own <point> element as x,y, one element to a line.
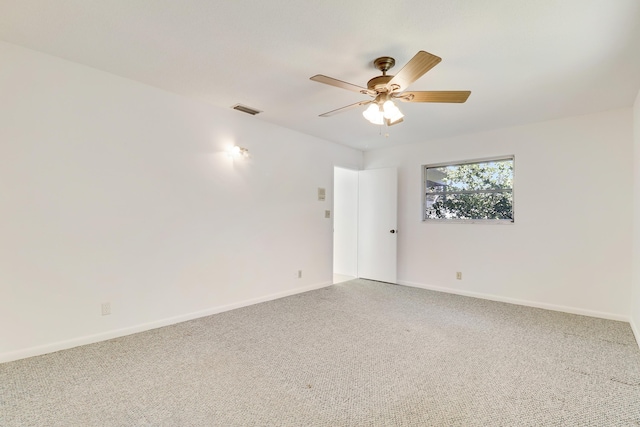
<point>392,231</point>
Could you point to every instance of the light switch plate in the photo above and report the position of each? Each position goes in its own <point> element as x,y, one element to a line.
<point>106,308</point>
<point>322,194</point>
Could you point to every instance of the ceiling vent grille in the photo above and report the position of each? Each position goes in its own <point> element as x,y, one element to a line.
<point>246,109</point>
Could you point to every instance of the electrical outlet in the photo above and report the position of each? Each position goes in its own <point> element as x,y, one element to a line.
<point>327,214</point>
<point>459,275</point>
<point>299,274</point>
<point>106,308</point>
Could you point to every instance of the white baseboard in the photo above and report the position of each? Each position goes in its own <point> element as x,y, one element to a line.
<point>103,336</point>
<point>553,307</point>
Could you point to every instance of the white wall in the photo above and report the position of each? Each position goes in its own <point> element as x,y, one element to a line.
<point>115,191</point>
<point>345,222</point>
<point>570,247</point>
<point>635,296</point>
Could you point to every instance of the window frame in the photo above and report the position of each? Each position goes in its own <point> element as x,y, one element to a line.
<point>423,188</point>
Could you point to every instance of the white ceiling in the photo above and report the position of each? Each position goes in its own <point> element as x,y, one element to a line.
<point>523,60</point>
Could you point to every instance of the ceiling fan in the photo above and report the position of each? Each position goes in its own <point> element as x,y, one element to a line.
<point>384,89</point>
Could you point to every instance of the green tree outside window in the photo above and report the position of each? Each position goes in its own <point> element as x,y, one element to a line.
<point>470,191</point>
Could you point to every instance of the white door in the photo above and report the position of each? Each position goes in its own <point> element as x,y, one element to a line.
<point>377,224</point>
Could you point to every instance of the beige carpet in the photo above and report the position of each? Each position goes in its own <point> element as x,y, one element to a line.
<point>358,353</point>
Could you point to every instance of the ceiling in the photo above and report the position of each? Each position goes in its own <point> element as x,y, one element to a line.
<point>524,61</point>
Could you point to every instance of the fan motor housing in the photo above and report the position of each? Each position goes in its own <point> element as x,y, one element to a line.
<point>379,84</point>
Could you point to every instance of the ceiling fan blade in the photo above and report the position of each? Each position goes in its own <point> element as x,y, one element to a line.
<point>434,96</point>
<point>414,69</point>
<point>348,107</point>
<point>339,83</point>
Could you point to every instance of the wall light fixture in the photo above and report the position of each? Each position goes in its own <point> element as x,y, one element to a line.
<point>237,151</point>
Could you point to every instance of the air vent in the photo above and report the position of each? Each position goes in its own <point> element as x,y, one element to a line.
<point>246,109</point>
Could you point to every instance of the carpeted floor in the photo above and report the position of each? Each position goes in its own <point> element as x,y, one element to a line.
<point>358,353</point>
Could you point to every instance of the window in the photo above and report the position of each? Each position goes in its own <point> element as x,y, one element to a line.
<point>472,191</point>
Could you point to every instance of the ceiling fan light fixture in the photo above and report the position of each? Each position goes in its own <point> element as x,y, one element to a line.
<point>395,117</point>
<point>374,114</point>
<point>391,111</point>
<point>383,89</point>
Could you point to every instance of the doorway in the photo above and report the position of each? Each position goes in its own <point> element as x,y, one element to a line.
<point>345,224</point>
<point>364,227</point>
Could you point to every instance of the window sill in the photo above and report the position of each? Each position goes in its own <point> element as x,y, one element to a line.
<point>469,221</point>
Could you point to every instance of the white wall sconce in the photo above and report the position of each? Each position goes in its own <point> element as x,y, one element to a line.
<point>237,151</point>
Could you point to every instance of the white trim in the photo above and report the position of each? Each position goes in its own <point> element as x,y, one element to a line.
<point>103,336</point>
<point>546,306</point>
<point>635,330</point>
<point>468,221</point>
<point>471,161</point>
